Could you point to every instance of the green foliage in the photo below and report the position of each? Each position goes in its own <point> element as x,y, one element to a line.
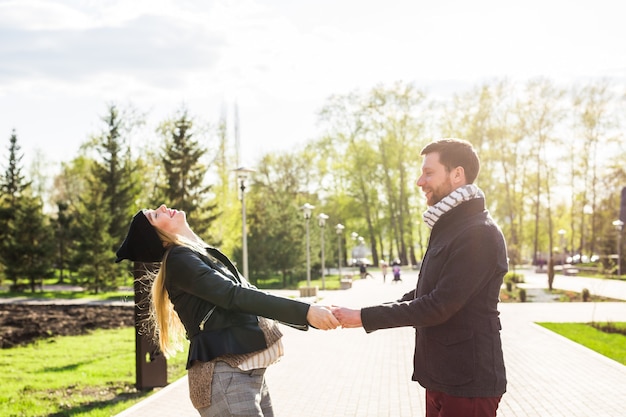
<point>185,173</point>
<point>361,171</point>
<point>331,282</point>
<point>94,249</point>
<point>25,236</point>
<point>34,238</point>
<point>42,379</point>
<point>514,277</point>
<point>373,141</point>
<point>585,295</point>
<point>13,181</point>
<point>71,187</point>
<point>611,345</point>
<point>114,169</point>
<point>276,240</point>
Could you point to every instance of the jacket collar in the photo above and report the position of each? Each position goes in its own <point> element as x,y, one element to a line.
<point>460,213</point>
<point>224,260</point>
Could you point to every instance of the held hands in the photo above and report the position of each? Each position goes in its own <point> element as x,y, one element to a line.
<point>325,318</point>
<point>321,318</point>
<point>348,317</point>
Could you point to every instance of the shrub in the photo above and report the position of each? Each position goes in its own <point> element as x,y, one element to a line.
<point>514,277</point>
<point>585,294</point>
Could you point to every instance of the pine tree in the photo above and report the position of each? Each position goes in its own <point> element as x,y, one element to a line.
<point>35,243</point>
<point>114,170</point>
<point>26,237</point>
<point>69,187</point>
<point>185,187</point>
<point>62,238</point>
<point>13,182</point>
<point>94,249</point>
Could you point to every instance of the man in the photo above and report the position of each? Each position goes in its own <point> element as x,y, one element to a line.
<point>458,352</point>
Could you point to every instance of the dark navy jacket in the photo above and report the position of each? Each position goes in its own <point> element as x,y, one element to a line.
<point>454,307</point>
<point>219,308</point>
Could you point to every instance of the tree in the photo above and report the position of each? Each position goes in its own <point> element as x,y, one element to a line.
<point>26,239</point>
<point>70,187</point>
<point>486,117</point>
<point>94,249</point>
<point>114,168</point>
<point>593,121</point>
<point>276,226</point>
<point>539,113</point>
<point>34,240</point>
<point>395,126</point>
<point>185,173</point>
<point>61,236</point>
<point>374,140</point>
<point>227,230</point>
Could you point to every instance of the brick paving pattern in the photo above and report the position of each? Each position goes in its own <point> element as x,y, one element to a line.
<point>348,373</point>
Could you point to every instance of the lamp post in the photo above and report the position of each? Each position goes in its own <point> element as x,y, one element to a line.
<point>562,235</point>
<point>355,237</point>
<point>243,173</point>
<point>619,225</point>
<point>321,219</point>
<point>307,208</point>
<point>339,228</point>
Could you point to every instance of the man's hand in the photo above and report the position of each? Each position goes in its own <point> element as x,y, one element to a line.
<point>321,318</point>
<point>348,317</point>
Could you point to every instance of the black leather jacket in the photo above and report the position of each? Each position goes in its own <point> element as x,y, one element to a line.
<point>219,308</point>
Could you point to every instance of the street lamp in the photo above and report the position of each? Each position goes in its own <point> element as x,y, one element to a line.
<point>307,208</point>
<point>619,225</point>
<point>339,228</point>
<point>243,173</point>
<point>562,234</point>
<point>355,238</point>
<point>321,218</point>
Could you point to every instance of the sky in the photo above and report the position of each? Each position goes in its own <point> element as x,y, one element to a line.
<point>62,62</point>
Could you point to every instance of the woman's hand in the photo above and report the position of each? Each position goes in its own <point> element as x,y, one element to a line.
<point>348,317</point>
<point>321,318</point>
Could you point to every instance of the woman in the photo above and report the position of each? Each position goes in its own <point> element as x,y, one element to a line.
<point>197,293</point>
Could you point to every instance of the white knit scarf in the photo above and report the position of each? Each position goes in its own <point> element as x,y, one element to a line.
<point>456,197</point>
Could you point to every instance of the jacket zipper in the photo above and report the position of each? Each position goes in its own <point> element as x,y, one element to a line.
<point>204,320</point>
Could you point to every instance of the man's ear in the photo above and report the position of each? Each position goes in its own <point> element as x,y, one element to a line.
<point>458,176</point>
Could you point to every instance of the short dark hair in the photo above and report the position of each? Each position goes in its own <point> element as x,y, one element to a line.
<point>455,152</point>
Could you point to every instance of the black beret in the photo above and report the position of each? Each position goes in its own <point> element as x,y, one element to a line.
<point>142,243</point>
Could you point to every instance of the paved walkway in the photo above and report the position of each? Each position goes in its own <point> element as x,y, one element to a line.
<point>343,373</point>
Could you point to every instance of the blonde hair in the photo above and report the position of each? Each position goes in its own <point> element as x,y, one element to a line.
<point>169,331</point>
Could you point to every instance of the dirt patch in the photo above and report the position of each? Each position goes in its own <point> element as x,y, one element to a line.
<point>21,324</point>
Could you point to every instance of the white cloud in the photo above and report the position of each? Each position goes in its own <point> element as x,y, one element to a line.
<point>62,61</point>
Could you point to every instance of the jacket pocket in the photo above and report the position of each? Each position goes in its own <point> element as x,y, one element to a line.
<point>206,318</point>
<point>450,356</point>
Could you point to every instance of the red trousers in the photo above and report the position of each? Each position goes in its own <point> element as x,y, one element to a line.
<point>439,404</point>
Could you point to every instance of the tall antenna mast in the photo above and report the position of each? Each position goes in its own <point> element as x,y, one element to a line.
<point>237,143</point>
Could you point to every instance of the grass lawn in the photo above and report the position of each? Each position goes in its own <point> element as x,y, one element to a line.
<point>72,295</point>
<point>331,282</point>
<point>91,375</point>
<point>611,345</point>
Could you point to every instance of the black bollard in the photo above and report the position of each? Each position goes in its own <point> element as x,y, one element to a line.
<point>150,363</point>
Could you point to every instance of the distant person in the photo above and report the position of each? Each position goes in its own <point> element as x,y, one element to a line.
<point>396,273</point>
<point>383,268</point>
<point>458,352</point>
<point>363,271</point>
<point>198,294</point>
